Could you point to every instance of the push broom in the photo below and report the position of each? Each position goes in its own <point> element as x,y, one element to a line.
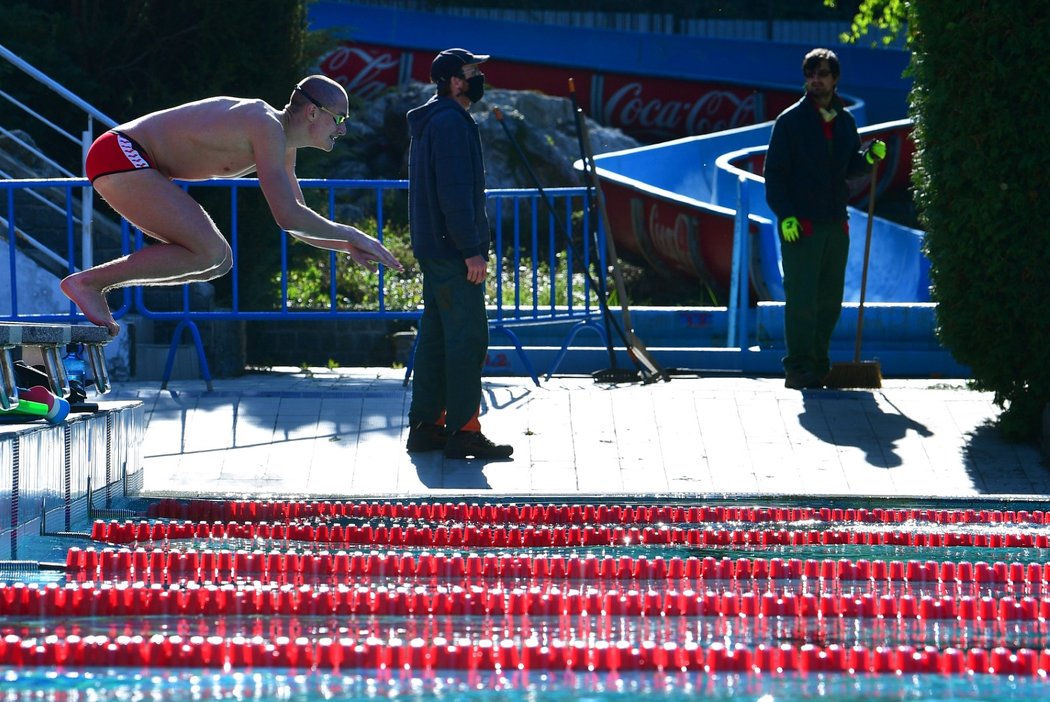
<point>858,373</point>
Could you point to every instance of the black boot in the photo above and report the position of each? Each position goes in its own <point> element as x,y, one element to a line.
<point>474,444</point>
<point>425,436</point>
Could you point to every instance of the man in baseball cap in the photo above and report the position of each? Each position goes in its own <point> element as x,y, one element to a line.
<point>457,63</point>
<point>450,62</point>
<point>451,241</point>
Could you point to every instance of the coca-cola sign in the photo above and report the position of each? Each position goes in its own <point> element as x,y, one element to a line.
<point>363,71</point>
<point>657,110</point>
<point>673,238</point>
<point>668,237</point>
<point>649,109</point>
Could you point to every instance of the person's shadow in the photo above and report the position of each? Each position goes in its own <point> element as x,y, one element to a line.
<point>855,418</point>
<point>437,472</point>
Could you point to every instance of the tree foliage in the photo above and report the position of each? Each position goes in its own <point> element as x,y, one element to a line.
<point>981,186</point>
<point>891,16</point>
<point>128,58</point>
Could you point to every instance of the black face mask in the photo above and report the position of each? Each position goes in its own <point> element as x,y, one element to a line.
<point>475,88</point>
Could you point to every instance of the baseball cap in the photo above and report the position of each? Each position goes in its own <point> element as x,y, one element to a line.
<point>451,61</point>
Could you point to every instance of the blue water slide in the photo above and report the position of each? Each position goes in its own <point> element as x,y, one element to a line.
<point>897,269</point>
<point>699,171</point>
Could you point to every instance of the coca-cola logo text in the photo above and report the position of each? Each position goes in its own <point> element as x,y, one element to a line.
<point>670,240</point>
<point>715,110</point>
<point>360,72</point>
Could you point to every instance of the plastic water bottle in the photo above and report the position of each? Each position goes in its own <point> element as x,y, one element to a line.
<point>76,367</point>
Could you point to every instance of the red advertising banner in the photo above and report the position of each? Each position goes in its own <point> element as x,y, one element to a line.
<point>649,109</point>
<point>659,109</point>
<point>363,70</point>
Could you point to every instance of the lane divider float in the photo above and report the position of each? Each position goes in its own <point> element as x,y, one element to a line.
<point>473,536</point>
<point>564,514</point>
<point>302,653</point>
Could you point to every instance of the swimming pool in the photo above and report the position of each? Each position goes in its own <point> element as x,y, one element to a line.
<point>290,599</point>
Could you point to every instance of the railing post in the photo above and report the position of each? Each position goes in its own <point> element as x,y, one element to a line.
<point>739,281</point>
<point>12,251</point>
<point>87,209</point>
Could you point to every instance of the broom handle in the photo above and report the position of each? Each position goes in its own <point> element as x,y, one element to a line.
<point>635,348</point>
<point>864,271</point>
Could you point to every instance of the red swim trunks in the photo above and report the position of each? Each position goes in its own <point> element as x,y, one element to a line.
<point>114,153</point>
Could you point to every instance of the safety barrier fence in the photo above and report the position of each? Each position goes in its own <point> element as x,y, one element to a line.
<point>541,276</point>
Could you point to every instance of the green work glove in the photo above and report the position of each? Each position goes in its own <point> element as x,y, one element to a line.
<point>790,229</point>
<point>876,151</point>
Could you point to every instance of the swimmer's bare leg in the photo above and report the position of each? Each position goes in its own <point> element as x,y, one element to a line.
<point>190,246</point>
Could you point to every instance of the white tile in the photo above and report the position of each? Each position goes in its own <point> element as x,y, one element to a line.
<point>571,435</point>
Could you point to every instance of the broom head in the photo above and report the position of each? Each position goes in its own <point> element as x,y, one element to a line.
<point>858,374</point>
<point>616,375</point>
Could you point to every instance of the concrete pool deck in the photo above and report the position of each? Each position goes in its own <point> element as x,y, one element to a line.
<point>341,433</point>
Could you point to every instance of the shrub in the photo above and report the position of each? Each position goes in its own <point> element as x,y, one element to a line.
<point>981,187</point>
<point>309,276</point>
<point>309,279</point>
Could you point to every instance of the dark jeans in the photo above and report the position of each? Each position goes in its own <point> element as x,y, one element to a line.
<point>451,347</point>
<point>814,273</point>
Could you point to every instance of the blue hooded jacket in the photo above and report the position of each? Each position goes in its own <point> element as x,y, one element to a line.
<point>446,174</point>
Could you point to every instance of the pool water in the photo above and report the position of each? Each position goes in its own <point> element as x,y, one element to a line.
<point>276,685</point>
<point>438,601</point>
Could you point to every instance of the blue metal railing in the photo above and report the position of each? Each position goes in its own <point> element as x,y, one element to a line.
<point>82,140</point>
<point>546,274</point>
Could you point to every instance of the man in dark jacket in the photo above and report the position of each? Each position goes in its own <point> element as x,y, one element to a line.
<point>813,150</point>
<point>450,239</point>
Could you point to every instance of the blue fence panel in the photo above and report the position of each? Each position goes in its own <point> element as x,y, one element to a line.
<point>546,271</point>
<point>30,292</point>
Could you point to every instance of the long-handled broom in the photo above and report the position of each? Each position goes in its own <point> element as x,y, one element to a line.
<point>651,370</point>
<point>648,368</point>
<point>860,374</point>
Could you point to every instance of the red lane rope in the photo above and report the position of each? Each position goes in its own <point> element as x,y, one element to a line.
<point>303,653</point>
<point>108,600</point>
<point>205,565</point>
<point>460,589</point>
<point>252,510</point>
<point>473,536</point>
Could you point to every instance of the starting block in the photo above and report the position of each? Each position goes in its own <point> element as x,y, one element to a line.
<point>51,339</point>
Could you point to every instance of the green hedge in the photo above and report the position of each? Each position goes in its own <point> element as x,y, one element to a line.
<point>980,107</point>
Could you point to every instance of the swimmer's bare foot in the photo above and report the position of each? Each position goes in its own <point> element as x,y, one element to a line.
<point>91,302</point>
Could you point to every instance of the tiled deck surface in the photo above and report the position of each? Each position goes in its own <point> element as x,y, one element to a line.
<point>342,433</point>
